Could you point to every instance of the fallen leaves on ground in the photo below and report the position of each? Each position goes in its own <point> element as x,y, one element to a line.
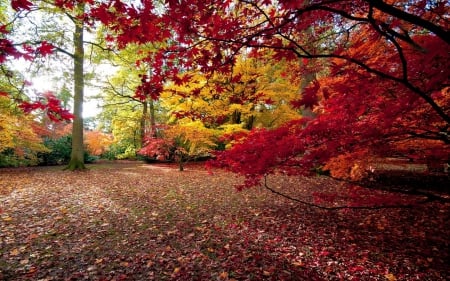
<point>151,222</point>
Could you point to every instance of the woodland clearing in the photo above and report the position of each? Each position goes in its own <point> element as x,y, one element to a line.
<point>134,221</point>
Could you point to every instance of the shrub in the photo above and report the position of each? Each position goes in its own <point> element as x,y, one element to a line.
<point>60,151</point>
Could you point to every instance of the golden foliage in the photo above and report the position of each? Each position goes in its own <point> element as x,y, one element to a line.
<point>257,91</point>
<point>193,137</point>
<point>17,133</point>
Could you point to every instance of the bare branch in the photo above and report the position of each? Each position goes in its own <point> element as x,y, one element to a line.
<point>335,208</point>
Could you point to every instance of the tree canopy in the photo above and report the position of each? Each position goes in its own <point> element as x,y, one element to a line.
<point>373,74</point>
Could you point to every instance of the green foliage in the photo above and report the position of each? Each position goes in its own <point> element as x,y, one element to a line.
<point>89,158</point>
<point>60,152</point>
<point>129,153</point>
<point>8,158</point>
<point>110,154</point>
<point>120,150</point>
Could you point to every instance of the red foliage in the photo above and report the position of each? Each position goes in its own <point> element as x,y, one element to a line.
<point>263,151</point>
<point>157,148</point>
<point>309,97</point>
<point>387,70</point>
<point>21,5</point>
<point>51,105</point>
<point>369,119</point>
<point>45,49</point>
<point>381,87</point>
<point>7,49</point>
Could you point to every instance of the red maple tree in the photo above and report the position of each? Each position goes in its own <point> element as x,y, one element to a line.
<point>385,65</point>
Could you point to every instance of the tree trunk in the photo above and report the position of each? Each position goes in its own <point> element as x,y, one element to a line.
<point>77,156</point>
<point>152,119</point>
<point>143,123</point>
<point>180,165</point>
<point>236,117</point>
<point>307,78</point>
<point>250,121</point>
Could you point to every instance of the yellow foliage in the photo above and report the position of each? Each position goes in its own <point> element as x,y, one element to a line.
<point>125,124</point>
<point>257,94</point>
<point>17,133</point>
<point>193,137</point>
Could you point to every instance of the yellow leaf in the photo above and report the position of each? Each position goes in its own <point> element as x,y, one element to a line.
<point>390,277</point>
<point>63,210</point>
<point>14,252</point>
<point>176,270</point>
<point>7,218</point>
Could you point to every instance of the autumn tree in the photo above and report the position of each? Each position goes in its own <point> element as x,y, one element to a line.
<point>97,142</point>
<point>20,141</point>
<point>13,84</point>
<point>77,156</point>
<point>255,94</point>
<point>400,116</point>
<point>127,113</point>
<point>122,114</point>
<point>181,142</point>
<point>57,28</point>
<point>409,63</point>
<point>22,133</point>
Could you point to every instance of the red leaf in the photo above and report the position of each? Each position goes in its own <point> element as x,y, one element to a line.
<point>45,48</point>
<point>51,105</point>
<point>269,101</point>
<point>309,96</point>
<point>4,29</point>
<point>21,5</point>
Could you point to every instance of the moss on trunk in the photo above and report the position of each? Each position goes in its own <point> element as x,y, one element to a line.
<point>75,164</point>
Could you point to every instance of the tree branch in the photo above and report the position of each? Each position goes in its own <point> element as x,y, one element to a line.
<point>335,208</point>
<point>61,50</point>
<point>393,11</point>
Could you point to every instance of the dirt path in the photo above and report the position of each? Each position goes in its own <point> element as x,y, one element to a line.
<point>136,222</point>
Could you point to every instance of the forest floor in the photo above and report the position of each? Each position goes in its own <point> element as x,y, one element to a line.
<point>134,221</point>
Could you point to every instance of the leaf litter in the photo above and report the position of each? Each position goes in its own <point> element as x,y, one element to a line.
<point>139,222</point>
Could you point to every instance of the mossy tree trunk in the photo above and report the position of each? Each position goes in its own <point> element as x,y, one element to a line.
<point>77,156</point>
<point>143,123</point>
<point>153,132</point>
